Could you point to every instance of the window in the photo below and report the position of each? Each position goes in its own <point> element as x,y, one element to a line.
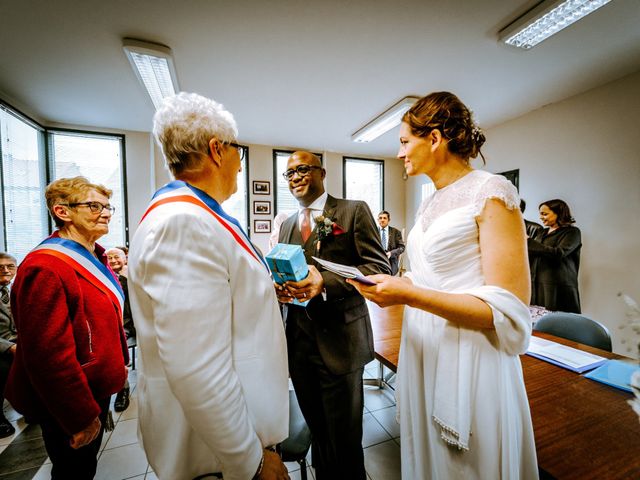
<point>24,212</point>
<point>284,201</point>
<point>364,180</point>
<point>100,158</point>
<point>237,205</point>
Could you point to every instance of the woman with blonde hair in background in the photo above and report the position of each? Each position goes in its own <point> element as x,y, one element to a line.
<point>67,305</point>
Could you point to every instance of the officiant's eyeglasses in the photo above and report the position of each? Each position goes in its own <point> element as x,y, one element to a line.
<point>301,170</point>
<point>240,148</point>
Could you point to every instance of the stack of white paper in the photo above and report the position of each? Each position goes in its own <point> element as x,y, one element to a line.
<point>563,356</point>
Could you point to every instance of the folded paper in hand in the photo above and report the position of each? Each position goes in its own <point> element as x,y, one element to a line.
<point>344,271</point>
<point>563,356</point>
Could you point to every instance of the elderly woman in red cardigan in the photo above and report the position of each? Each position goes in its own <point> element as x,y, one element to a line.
<point>67,306</point>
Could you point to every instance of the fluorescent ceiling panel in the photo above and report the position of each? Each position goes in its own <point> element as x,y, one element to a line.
<point>546,19</point>
<point>153,65</point>
<point>385,121</point>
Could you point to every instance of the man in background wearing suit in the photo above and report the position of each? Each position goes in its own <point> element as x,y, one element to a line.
<point>8,334</point>
<point>391,239</point>
<point>330,340</point>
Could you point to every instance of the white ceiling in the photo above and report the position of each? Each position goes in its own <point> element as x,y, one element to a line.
<point>302,73</point>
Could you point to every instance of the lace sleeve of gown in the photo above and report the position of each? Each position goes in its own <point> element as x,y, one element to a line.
<point>499,188</point>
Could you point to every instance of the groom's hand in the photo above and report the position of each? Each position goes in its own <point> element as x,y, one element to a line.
<point>308,288</point>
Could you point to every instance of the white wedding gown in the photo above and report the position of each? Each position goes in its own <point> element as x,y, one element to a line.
<point>462,403</point>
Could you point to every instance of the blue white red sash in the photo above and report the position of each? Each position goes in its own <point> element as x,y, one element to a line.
<point>179,191</point>
<point>85,264</point>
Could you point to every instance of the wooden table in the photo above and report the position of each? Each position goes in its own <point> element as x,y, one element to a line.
<point>583,429</point>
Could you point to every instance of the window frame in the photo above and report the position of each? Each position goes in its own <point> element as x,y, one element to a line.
<point>345,160</point>
<point>246,187</point>
<point>42,161</point>
<point>123,166</point>
<point>46,168</point>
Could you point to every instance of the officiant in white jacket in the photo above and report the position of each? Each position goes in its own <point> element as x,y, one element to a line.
<point>212,384</point>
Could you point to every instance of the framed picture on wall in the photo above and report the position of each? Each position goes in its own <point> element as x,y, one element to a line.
<point>262,208</point>
<point>261,187</point>
<point>262,226</point>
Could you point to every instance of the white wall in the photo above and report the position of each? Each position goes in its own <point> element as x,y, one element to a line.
<point>584,150</point>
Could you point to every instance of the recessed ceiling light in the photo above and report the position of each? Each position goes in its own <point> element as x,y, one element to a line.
<point>153,65</point>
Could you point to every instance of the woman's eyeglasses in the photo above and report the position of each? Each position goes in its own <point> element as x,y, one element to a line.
<point>301,170</point>
<point>94,207</point>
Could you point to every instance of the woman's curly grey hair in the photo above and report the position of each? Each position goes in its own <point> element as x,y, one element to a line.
<point>183,126</point>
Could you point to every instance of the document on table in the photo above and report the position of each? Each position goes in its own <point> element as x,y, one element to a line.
<point>344,271</point>
<point>563,356</point>
<point>615,373</point>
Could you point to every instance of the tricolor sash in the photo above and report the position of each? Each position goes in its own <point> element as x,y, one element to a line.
<point>85,265</point>
<point>179,191</point>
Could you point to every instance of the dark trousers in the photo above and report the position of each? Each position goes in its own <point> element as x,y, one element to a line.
<point>6,359</point>
<point>332,407</point>
<point>66,462</point>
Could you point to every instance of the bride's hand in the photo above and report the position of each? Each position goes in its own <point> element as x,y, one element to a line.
<point>387,290</point>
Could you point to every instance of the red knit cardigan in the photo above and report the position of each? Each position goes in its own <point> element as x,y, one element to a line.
<point>71,349</point>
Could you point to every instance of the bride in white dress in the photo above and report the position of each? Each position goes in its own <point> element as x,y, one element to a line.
<point>462,403</point>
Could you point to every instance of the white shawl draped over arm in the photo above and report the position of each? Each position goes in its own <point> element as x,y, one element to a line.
<point>452,408</point>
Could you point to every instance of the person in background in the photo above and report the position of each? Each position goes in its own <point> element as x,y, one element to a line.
<point>67,305</point>
<point>275,233</point>
<point>8,334</point>
<point>330,340</point>
<point>391,239</point>
<point>555,257</point>
<point>532,228</point>
<point>213,392</point>
<point>118,262</point>
<point>462,402</point>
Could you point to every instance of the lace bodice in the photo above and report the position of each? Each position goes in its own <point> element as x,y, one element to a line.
<point>473,189</point>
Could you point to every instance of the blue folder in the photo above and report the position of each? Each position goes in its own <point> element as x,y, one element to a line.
<point>614,373</point>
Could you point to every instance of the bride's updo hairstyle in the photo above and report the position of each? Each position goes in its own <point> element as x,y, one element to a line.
<point>445,112</point>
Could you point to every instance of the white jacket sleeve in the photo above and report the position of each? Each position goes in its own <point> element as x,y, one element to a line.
<point>187,282</point>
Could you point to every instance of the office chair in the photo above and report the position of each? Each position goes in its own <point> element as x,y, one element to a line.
<point>296,446</point>
<point>575,327</point>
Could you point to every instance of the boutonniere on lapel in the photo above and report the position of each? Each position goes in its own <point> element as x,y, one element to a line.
<point>326,228</point>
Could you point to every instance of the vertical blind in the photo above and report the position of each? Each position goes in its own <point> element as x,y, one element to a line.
<point>99,159</point>
<point>237,204</point>
<point>364,180</point>
<point>24,213</point>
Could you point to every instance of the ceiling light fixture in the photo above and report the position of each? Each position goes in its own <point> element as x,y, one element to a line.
<point>385,121</point>
<point>546,19</point>
<point>153,65</point>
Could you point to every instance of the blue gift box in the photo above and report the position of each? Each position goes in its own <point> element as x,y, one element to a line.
<point>287,263</point>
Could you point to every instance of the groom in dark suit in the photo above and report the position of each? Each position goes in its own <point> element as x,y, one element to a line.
<point>330,340</point>
<point>391,239</point>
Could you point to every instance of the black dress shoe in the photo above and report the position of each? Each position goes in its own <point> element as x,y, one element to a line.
<point>6,429</point>
<point>122,400</point>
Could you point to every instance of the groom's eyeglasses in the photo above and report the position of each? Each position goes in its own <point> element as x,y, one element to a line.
<point>301,170</point>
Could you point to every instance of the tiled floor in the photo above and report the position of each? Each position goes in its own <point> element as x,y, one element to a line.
<point>22,456</point>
